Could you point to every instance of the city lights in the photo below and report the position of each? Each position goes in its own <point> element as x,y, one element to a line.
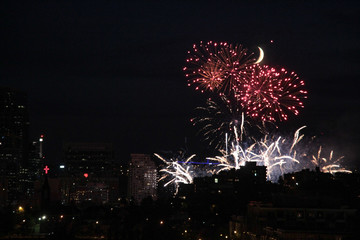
<point>184,120</point>
<point>21,209</point>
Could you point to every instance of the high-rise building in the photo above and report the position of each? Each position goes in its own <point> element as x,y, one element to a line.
<point>14,124</point>
<point>36,159</point>
<point>143,177</point>
<point>95,159</point>
<point>90,170</point>
<point>32,175</point>
<point>123,180</point>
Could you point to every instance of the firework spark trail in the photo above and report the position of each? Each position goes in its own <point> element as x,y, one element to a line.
<point>263,92</point>
<point>217,66</point>
<point>176,171</point>
<point>328,165</point>
<point>274,154</point>
<point>218,119</point>
<point>237,157</point>
<point>269,94</point>
<point>271,155</point>
<point>248,91</point>
<point>297,138</point>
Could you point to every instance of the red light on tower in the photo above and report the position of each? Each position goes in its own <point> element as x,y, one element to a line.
<point>86,175</point>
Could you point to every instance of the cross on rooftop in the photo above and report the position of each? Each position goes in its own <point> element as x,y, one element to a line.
<point>46,169</point>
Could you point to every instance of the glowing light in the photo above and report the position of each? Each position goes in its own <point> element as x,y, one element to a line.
<point>217,66</point>
<point>176,170</point>
<point>249,96</point>
<point>86,175</point>
<point>270,94</point>
<point>46,169</point>
<point>218,118</point>
<point>276,154</point>
<point>328,165</point>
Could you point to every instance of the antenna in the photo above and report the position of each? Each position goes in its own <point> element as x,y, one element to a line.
<point>41,139</point>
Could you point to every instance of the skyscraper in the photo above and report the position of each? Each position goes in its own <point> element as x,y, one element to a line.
<point>14,124</point>
<point>143,177</point>
<point>95,159</point>
<point>92,174</point>
<point>36,159</point>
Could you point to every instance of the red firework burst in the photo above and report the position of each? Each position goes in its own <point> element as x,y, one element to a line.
<point>217,66</point>
<point>208,76</point>
<point>270,94</point>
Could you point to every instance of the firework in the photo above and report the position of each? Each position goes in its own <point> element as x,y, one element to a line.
<point>276,157</point>
<point>330,164</point>
<point>249,94</point>
<point>235,159</point>
<point>276,154</point>
<point>217,66</point>
<point>218,119</point>
<point>270,94</point>
<point>176,171</point>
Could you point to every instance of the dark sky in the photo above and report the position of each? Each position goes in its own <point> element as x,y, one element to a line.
<point>104,71</point>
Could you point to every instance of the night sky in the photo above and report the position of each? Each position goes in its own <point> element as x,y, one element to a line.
<point>103,71</point>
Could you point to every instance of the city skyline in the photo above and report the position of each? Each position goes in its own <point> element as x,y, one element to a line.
<point>113,73</point>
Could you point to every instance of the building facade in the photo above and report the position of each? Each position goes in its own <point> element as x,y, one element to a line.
<point>14,124</point>
<point>94,159</point>
<point>91,174</point>
<point>142,177</point>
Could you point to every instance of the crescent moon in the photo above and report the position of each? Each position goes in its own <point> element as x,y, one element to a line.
<point>261,56</point>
